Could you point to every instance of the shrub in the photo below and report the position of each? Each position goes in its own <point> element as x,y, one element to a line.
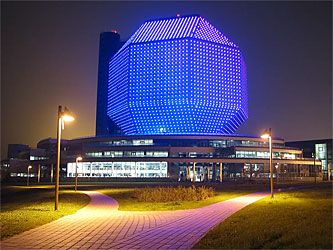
<point>180,193</point>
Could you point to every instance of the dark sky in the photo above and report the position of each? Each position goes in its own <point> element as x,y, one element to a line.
<point>49,55</point>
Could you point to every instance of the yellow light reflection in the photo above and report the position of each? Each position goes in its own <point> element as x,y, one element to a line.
<point>68,118</point>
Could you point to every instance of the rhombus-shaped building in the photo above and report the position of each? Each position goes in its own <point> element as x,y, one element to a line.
<point>178,76</point>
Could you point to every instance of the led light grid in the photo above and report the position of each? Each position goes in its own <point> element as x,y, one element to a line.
<point>206,31</point>
<point>118,92</point>
<point>177,28</point>
<point>216,86</point>
<point>158,87</point>
<point>192,85</point>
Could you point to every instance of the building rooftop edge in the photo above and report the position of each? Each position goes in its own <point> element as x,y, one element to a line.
<point>172,17</point>
<point>161,135</point>
<point>311,140</point>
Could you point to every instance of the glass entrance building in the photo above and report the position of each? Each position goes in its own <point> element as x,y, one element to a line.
<point>174,156</point>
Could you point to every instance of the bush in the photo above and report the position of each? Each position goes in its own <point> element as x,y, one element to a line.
<point>164,194</point>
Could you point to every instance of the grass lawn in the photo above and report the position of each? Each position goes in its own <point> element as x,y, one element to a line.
<point>26,208</point>
<point>299,219</point>
<point>127,202</point>
<point>224,191</point>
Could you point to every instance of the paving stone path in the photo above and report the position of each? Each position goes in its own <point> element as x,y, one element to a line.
<point>101,226</point>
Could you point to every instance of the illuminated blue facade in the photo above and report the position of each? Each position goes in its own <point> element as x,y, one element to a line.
<point>178,76</point>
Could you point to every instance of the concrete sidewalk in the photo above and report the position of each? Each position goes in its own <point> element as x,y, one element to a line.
<point>101,226</point>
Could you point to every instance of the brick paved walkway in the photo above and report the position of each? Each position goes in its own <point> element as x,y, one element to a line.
<point>101,226</point>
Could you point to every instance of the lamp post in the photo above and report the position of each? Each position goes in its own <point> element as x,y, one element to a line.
<point>268,134</point>
<point>79,158</point>
<point>194,173</point>
<point>29,167</point>
<point>63,116</point>
<point>314,166</point>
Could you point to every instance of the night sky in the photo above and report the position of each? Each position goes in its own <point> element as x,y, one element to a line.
<point>49,57</point>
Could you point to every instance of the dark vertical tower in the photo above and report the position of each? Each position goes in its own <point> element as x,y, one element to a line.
<point>109,44</point>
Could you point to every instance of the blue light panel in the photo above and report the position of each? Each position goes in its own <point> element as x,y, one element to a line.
<point>176,28</point>
<point>189,79</point>
<point>118,107</point>
<point>206,31</point>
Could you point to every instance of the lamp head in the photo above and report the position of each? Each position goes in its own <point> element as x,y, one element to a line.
<point>267,134</point>
<point>79,158</point>
<point>67,116</point>
<point>29,167</point>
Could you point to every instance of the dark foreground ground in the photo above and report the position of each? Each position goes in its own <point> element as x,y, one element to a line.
<point>295,219</point>
<point>298,219</point>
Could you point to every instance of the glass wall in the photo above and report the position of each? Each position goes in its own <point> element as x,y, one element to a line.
<point>36,158</point>
<point>259,154</point>
<point>128,154</point>
<point>321,154</point>
<point>119,169</point>
<point>124,142</point>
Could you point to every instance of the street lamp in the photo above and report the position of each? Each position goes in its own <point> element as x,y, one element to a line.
<point>79,158</point>
<point>268,134</point>
<point>63,116</point>
<point>29,167</point>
